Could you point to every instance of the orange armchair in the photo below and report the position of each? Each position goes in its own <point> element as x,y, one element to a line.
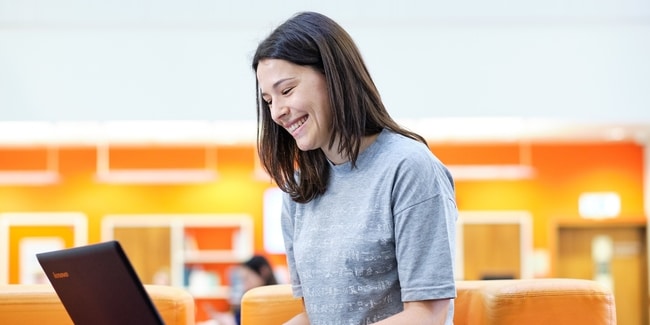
<point>488,302</point>
<point>39,304</point>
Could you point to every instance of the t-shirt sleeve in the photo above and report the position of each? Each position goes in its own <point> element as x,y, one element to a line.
<point>425,216</point>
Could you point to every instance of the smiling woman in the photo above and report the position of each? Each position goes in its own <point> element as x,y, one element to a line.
<point>362,193</point>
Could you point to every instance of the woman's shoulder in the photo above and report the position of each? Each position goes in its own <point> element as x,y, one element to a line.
<point>414,163</point>
<point>410,154</point>
<point>402,146</point>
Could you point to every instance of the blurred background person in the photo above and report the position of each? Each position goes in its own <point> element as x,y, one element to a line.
<point>255,272</point>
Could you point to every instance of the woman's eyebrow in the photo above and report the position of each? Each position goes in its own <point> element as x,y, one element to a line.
<point>278,83</point>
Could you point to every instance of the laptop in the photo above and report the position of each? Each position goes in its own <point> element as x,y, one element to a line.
<point>98,285</point>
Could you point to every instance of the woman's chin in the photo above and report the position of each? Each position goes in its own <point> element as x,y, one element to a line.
<point>303,146</point>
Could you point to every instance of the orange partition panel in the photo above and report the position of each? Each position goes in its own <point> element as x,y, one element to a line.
<point>20,158</point>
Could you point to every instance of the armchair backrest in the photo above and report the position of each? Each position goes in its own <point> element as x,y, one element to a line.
<point>486,302</point>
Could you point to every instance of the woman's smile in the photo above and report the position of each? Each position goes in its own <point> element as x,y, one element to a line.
<point>294,127</point>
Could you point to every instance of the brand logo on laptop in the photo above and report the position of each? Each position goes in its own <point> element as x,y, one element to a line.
<point>60,275</point>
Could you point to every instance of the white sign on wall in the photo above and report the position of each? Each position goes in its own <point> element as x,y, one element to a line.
<point>599,205</point>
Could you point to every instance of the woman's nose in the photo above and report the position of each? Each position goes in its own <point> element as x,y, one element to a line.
<point>278,112</point>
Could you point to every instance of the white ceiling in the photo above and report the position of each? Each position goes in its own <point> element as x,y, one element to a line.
<point>581,65</point>
<point>95,60</point>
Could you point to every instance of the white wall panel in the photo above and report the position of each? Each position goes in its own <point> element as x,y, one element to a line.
<point>112,60</point>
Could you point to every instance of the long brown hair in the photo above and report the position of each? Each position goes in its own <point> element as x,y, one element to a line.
<point>312,39</point>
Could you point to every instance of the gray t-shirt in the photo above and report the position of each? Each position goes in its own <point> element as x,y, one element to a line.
<point>382,234</point>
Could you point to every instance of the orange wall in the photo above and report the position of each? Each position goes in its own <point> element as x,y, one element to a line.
<point>234,191</point>
<point>563,171</point>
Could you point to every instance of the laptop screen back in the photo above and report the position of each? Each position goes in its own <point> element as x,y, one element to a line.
<point>98,285</point>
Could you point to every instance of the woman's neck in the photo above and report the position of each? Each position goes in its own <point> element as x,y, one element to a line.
<point>336,158</point>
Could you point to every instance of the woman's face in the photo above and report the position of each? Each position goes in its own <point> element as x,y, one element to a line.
<point>250,279</point>
<point>298,101</point>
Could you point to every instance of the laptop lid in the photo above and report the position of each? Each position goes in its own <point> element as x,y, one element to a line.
<point>97,285</point>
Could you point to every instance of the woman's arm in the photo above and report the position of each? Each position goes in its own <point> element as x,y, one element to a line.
<point>426,312</point>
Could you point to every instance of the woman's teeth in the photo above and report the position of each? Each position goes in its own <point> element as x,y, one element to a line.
<point>296,125</point>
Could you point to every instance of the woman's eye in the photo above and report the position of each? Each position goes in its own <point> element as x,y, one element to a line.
<point>286,91</point>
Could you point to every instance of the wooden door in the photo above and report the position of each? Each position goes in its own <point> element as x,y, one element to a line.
<point>494,245</point>
<point>627,265</point>
<point>491,251</point>
<point>148,249</point>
